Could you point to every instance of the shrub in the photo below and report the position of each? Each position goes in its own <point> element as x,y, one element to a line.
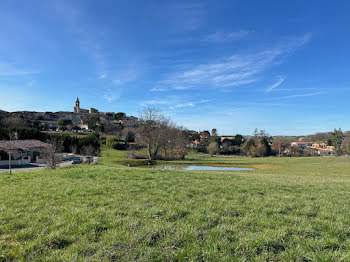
<point>131,155</point>
<point>111,141</point>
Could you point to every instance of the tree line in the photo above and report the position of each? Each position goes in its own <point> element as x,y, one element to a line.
<point>257,145</point>
<point>88,145</point>
<point>261,144</point>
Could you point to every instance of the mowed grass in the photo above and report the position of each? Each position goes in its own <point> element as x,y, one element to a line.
<point>291,209</point>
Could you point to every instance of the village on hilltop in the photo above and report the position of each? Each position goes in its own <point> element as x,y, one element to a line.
<point>79,120</point>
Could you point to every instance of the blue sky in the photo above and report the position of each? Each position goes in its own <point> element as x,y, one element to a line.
<point>282,66</point>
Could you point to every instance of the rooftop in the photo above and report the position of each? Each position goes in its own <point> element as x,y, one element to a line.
<point>22,144</point>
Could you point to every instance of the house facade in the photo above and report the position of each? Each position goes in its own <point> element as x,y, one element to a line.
<point>23,152</point>
<point>318,148</point>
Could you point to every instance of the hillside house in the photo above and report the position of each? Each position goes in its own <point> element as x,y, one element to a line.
<point>317,148</point>
<point>320,145</point>
<point>23,152</point>
<point>302,145</point>
<point>326,152</point>
<point>194,144</point>
<point>226,137</point>
<point>323,145</point>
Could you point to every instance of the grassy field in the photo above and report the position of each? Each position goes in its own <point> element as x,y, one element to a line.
<point>289,209</point>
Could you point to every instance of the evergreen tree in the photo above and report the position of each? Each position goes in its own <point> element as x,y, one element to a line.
<point>337,140</point>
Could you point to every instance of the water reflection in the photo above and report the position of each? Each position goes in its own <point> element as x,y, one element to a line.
<point>206,168</point>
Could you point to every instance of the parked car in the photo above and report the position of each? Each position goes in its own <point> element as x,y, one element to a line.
<point>77,160</point>
<point>90,159</point>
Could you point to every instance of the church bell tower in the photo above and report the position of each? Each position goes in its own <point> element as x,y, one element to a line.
<point>77,106</point>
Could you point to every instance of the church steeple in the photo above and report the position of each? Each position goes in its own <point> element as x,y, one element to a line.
<point>77,106</point>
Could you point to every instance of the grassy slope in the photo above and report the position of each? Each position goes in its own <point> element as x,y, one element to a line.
<point>296,212</point>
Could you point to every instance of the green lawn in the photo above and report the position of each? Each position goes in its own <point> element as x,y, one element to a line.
<point>290,209</point>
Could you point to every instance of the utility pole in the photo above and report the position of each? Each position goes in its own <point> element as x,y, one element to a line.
<point>13,136</point>
<point>279,149</point>
<point>98,126</point>
<point>10,161</point>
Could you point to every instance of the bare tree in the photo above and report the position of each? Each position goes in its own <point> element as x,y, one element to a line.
<point>175,142</point>
<point>89,150</point>
<point>131,155</point>
<point>13,122</point>
<point>280,144</point>
<point>346,145</point>
<point>213,148</point>
<point>150,132</point>
<point>128,134</point>
<point>50,154</point>
<point>73,148</point>
<point>161,134</point>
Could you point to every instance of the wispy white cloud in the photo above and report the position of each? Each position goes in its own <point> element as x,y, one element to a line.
<point>229,72</point>
<point>157,89</point>
<point>297,95</point>
<point>173,102</point>
<point>193,14</point>
<point>187,16</point>
<point>221,37</point>
<point>155,102</point>
<point>122,77</point>
<point>110,94</point>
<point>236,70</point>
<point>116,83</point>
<point>188,104</point>
<point>110,97</point>
<point>275,85</point>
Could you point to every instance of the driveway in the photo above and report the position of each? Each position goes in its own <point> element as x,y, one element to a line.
<point>5,169</point>
<point>32,167</point>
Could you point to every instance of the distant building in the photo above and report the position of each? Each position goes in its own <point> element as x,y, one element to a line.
<point>323,145</point>
<point>80,118</point>
<point>204,135</point>
<point>303,145</point>
<point>78,110</point>
<point>319,148</point>
<point>93,111</point>
<point>226,137</point>
<point>23,152</point>
<point>194,144</point>
<point>326,152</point>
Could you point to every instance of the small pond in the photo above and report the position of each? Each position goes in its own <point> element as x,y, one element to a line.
<point>197,168</point>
